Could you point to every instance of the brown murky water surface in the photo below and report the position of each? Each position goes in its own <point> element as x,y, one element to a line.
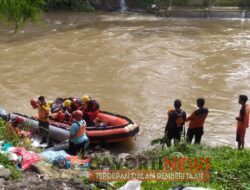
<point>133,64</point>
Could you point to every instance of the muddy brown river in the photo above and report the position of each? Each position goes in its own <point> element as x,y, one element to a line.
<point>133,64</point>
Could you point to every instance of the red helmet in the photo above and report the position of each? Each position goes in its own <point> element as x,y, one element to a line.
<point>34,103</point>
<point>60,116</point>
<point>78,115</point>
<point>19,119</point>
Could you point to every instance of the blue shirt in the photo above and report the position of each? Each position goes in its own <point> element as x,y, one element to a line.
<point>74,128</point>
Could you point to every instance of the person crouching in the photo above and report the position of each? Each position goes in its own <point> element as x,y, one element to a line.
<point>78,140</point>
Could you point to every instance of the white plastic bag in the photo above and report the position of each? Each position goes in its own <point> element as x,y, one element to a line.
<point>131,185</point>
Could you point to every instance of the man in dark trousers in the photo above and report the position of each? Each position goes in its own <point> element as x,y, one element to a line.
<point>174,126</point>
<point>197,119</point>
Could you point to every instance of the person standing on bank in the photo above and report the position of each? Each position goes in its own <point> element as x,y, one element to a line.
<point>78,140</point>
<point>174,126</point>
<point>242,121</point>
<point>43,118</point>
<point>197,119</point>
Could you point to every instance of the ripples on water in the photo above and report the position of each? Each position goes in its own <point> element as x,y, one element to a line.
<point>134,64</point>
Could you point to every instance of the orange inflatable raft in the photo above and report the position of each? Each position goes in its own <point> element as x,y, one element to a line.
<point>117,128</point>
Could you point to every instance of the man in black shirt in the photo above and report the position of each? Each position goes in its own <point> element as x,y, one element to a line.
<point>174,126</point>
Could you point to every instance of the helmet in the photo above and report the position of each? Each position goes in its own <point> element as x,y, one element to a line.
<point>60,116</point>
<point>19,119</point>
<point>85,98</point>
<point>34,103</point>
<point>50,103</point>
<point>78,115</point>
<point>67,103</point>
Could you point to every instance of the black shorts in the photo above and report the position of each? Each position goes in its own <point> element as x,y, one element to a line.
<point>44,128</point>
<point>174,133</point>
<point>195,132</point>
<point>44,124</point>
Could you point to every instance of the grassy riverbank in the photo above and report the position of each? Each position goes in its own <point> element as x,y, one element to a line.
<point>229,168</point>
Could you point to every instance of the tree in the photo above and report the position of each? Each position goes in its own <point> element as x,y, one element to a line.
<point>18,12</point>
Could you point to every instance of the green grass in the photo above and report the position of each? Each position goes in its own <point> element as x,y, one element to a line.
<point>4,161</point>
<point>14,140</point>
<point>5,135</point>
<point>229,168</point>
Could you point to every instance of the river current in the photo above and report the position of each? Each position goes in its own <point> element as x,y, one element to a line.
<point>134,64</point>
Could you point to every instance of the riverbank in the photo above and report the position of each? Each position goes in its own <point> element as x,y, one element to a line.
<point>180,8</point>
<point>209,12</point>
<point>229,169</point>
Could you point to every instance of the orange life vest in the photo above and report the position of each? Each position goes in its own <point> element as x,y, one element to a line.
<point>43,113</point>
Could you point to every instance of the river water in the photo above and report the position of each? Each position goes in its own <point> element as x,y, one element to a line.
<point>133,64</point>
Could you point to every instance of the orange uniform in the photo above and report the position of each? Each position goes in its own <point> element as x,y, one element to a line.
<point>197,118</point>
<point>243,122</point>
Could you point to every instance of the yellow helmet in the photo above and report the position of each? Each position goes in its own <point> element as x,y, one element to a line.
<point>85,98</point>
<point>67,103</point>
<point>50,103</point>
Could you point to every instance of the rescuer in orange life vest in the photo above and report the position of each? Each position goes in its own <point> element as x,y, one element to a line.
<point>174,126</point>
<point>78,141</point>
<point>197,119</point>
<point>242,121</point>
<point>90,109</point>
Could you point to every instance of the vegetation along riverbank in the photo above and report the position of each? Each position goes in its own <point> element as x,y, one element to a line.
<point>17,13</point>
<point>228,167</point>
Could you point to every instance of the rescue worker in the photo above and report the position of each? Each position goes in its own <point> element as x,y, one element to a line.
<point>85,101</point>
<point>43,118</point>
<point>67,110</point>
<point>174,126</point>
<point>197,119</point>
<point>90,110</point>
<point>58,116</point>
<point>57,105</point>
<point>76,104</point>
<point>50,103</point>
<point>78,141</point>
<point>63,112</point>
<point>242,121</point>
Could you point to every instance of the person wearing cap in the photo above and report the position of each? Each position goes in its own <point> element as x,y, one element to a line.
<point>242,121</point>
<point>90,110</point>
<point>43,118</point>
<point>174,126</point>
<point>78,140</point>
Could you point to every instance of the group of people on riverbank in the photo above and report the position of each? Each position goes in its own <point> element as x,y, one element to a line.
<point>78,112</point>
<point>177,117</point>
